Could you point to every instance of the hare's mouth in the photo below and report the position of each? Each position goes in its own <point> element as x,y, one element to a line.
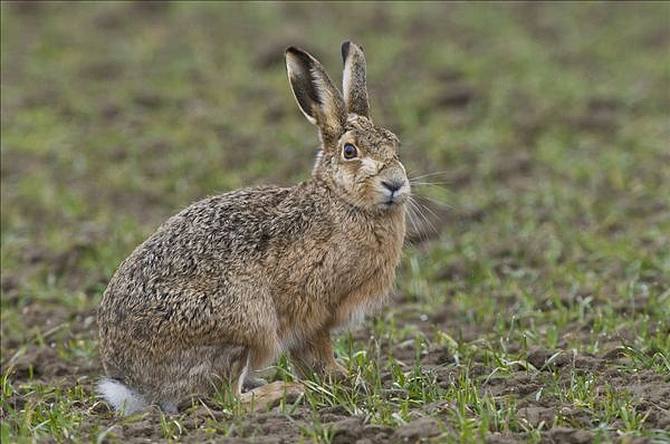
<point>393,197</point>
<point>393,201</point>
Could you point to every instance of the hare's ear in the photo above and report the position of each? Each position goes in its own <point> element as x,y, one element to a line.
<point>317,98</point>
<point>353,81</point>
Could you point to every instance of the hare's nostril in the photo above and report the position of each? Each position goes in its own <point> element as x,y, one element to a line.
<point>393,186</point>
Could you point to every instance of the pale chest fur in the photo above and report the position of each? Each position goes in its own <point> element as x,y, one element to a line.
<point>356,270</point>
<point>373,274</point>
<point>334,278</point>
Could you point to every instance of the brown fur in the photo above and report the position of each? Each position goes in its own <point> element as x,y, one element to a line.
<point>231,281</point>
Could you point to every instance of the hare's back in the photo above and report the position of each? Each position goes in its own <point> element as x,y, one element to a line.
<point>211,235</point>
<point>199,248</point>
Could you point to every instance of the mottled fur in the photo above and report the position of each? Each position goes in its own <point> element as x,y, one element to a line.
<point>231,281</point>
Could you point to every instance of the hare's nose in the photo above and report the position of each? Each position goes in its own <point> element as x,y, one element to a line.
<point>393,186</point>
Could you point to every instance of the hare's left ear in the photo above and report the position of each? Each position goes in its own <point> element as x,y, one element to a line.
<point>318,99</point>
<point>353,81</point>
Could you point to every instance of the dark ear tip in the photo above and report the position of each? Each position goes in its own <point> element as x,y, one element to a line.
<point>299,53</point>
<point>292,50</point>
<point>346,45</point>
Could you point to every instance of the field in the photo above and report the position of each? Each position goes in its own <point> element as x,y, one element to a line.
<point>533,299</point>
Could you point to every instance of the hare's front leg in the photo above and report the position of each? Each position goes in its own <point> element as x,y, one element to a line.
<point>315,355</point>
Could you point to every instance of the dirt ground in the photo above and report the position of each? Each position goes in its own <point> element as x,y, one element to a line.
<point>650,391</point>
<point>534,295</point>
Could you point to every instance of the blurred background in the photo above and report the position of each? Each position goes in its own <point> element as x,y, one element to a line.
<point>543,129</point>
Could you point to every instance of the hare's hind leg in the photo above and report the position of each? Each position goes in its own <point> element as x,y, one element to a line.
<point>239,364</point>
<point>182,374</point>
<point>199,371</point>
<point>241,375</point>
<point>248,318</point>
<point>229,368</point>
<point>239,369</point>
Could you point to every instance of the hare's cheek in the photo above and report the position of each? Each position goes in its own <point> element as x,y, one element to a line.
<point>369,167</point>
<point>345,180</point>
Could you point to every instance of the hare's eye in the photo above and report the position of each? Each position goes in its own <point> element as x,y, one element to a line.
<point>349,151</point>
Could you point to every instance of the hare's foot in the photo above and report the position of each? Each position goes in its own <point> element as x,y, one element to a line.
<point>316,356</point>
<point>335,371</point>
<point>269,395</point>
<point>169,407</point>
<point>251,382</point>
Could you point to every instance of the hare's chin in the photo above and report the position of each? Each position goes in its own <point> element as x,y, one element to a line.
<point>389,204</point>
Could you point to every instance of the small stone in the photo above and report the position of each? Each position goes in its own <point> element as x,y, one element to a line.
<point>421,428</point>
<point>570,436</point>
<point>535,415</point>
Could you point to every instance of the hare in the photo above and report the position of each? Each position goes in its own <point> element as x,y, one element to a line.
<point>226,285</point>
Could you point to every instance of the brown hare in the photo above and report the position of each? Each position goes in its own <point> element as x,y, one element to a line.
<point>226,285</point>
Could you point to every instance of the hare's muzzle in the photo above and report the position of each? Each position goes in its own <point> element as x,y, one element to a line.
<point>393,187</point>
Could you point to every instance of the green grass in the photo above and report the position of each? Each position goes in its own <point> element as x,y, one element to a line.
<point>538,276</point>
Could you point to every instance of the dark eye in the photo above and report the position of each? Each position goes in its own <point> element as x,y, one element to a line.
<point>349,151</point>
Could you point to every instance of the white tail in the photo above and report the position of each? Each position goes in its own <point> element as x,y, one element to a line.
<point>122,398</point>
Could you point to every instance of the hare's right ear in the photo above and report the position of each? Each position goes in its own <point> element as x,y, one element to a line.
<point>317,98</point>
<point>354,85</point>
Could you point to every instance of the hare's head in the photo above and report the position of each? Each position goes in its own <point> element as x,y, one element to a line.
<point>358,159</point>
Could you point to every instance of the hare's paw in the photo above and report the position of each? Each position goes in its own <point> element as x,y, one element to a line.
<point>270,395</point>
<point>336,372</point>
<point>252,382</point>
<point>169,407</point>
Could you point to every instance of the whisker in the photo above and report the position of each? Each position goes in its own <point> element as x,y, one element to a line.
<point>435,201</point>
<point>430,210</point>
<point>423,176</point>
<point>429,183</point>
<point>412,217</point>
<point>426,220</point>
<point>414,220</point>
